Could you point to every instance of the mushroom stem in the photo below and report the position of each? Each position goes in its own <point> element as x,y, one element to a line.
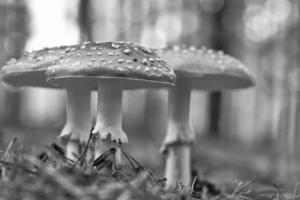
<point>78,123</point>
<point>180,136</point>
<point>109,116</point>
<point>178,166</point>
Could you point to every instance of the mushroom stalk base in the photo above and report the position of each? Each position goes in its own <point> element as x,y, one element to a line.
<point>109,118</point>
<point>178,167</point>
<point>78,123</point>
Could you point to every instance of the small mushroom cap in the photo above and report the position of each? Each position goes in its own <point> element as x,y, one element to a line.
<point>29,69</point>
<point>120,63</point>
<point>207,69</point>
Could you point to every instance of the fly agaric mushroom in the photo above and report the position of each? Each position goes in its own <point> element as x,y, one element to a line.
<point>110,67</point>
<point>29,70</point>
<point>203,69</point>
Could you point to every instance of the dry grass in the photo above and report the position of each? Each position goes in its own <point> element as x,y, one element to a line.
<point>27,174</point>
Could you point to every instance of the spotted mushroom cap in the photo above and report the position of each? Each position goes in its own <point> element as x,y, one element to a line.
<point>120,63</point>
<point>29,69</point>
<point>207,69</point>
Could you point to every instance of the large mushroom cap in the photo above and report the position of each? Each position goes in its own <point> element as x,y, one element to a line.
<point>120,63</point>
<point>207,69</point>
<point>29,69</point>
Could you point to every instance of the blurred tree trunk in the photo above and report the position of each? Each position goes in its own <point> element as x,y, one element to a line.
<point>218,41</point>
<point>135,17</point>
<point>84,21</point>
<point>13,35</point>
<point>194,34</point>
<point>14,32</point>
<point>237,110</point>
<point>288,128</point>
<point>255,116</point>
<point>155,112</point>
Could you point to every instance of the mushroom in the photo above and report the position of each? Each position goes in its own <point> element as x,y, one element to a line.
<point>109,68</point>
<point>203,69</point>
<point>29,70</point>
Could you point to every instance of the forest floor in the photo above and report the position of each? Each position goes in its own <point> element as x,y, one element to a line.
<point>33,168</point>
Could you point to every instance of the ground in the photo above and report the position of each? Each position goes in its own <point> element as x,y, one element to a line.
<point>222,163</point>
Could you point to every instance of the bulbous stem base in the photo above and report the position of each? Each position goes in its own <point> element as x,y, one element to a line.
<point>78,122</point>
<point>109,119</point>
<point>178,166</point>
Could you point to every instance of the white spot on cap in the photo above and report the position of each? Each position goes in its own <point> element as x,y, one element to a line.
<point>192,48</point>
<point>220,61</point>
<point>176,48</point>
<point>146,50</point>
<point>68,60</point>
<point>121,60</point>
<point>210,51</point>
<point>111,53</point>
<point>127,51</point>
<point>115,46</point>
<point>39,58</point>
<point>93,48</point>
<point>76,63</point>
<point>220,53</point>
<point>145,61</point>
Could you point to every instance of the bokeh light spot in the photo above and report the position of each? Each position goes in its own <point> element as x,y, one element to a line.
<point>170,26</point>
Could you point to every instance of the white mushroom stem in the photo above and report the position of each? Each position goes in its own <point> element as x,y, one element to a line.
<point>109,116</point>
<point>180,136</point>
<point>78,122</point>
<point>178,166</point>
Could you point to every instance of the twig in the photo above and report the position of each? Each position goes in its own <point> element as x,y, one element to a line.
<point>129,157</point>
<point>83,154</point>
<point>103,158</point>
<point>9,148</point>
